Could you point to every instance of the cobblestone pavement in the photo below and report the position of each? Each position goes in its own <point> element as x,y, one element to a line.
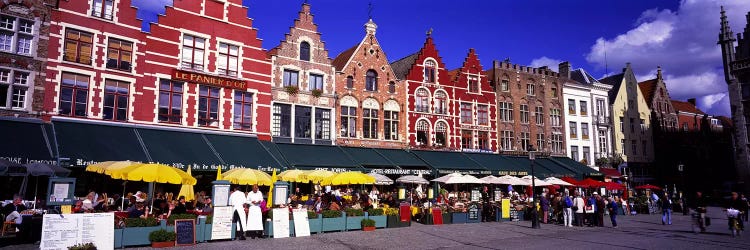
<point>634,232</point>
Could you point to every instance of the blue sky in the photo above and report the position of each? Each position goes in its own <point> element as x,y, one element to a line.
<point>678,35</point>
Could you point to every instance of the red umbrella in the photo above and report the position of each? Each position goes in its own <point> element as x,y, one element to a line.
<point>614,186</point>
<point>648,186</point>
<point>570,180</point>
<point>590,183</point>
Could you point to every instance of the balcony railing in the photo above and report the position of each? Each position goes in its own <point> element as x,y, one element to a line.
<point>602,120</point>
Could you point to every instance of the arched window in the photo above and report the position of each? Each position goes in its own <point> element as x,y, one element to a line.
<point>429,71</point>
<point>371,81</point>
<point>422,100</point>
<point>441,133</point>
<point>391,87</point>
<point>349,82</point>
<point>304,51</point>
<point>423,129</point>
<point>441,102</point>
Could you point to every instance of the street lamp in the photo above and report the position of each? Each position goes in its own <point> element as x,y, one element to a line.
<point>534,212</point>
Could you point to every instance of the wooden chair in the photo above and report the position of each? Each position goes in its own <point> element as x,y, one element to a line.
<point>9,226</point>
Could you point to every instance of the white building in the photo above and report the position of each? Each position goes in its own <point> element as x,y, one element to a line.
<point>588,129</point>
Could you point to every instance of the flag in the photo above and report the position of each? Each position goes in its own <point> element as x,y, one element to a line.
<point>269,202</point>
<point>218,173</point>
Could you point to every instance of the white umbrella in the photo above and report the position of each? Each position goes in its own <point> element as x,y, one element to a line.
<point>537,181</point>
<point>510,180</point>
<point>557,181</point>
<point>445,178</point>
<point>412,179</point>
<point>490,179</point>
<point>456,178</point>
<point>381,179</point>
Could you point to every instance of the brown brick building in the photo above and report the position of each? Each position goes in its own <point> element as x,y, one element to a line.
<point>656,94</point>
<point>24,27</point>
<point>370,99</point>
<point>530,109</point>
<point>302,85</point>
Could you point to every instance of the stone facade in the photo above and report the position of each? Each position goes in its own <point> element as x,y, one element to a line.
<point>23,59</point>
<point>383,94</point>
<point>521,87</point>
<point>303,86</point>
<point>657,97</point>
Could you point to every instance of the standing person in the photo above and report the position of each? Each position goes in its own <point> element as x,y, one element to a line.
<point>736,203</point>
<point>486,205</point>
<point>567,210</point>
<point>238,200</point>
<point>600,207</point>
<point>578,208</point>
<point>255,214</point>
<point>699,205</point>
<point>666,209</point>
<point>743,216</point>
<point>591,209</point>
<point>614,208</point>
<point>544,203</point>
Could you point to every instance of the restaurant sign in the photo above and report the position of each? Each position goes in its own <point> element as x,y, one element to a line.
<point>514,173</point>
<point>402,171</point>
<point>472,172</point>
<point>217,81</point>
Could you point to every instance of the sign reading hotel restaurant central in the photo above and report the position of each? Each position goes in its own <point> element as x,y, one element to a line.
<point>208,79</point>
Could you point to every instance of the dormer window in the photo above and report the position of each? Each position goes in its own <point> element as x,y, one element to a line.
<point>103,9</point>
<point>429,71</point>
<point>371,81</point>
<point>473,84</point>
<point>304,51</point>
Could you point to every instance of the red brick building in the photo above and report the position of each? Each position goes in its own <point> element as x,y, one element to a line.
<point>657,97</point>
<point>303,86</point>
<point>476,104</point>
<point>370,97</point>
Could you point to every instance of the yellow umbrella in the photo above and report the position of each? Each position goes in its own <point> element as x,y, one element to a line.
<point>316,176</point>
<point>269,202</point>
<point>347,178</point>
<point>187,189</point>
<point>153,172</point>
<point>102,167</point>
<point>218,174</point>
<point>293,175</point>
<point>247,176</point>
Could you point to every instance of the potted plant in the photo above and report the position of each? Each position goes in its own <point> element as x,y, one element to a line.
<point>162,238</point>
<point>333,221</point>
<point>316,93</point>
<point>291,90</point>
<point>83,246</point>
<point>394,219</point>
<point>353,218</point>
<point>378,215</point>
<point>368,225</point>
<point>315,220</point>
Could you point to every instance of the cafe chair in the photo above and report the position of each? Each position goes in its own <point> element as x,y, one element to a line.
<point>8,226</point>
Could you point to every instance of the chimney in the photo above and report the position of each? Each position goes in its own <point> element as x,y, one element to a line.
<point>692,101</point>
<point>627,66</point>
<point>658,73</point>
<point>564,69</point>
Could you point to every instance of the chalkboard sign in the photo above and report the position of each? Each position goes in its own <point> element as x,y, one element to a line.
<point>185,230</point>
<point>473,211</point>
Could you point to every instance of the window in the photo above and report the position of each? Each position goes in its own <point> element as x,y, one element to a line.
<point>103,9</point>
<point>506,111</point>
<point>634,147</point>
<point>391,87</point>
<point>170,101</point>
<point>304,51</point>
<point>193,49</point>
<point>525,143</point>
<point>282,120</point>
<point>116,94</point>
<point>322,124</point>
<point>348,121</point>
<point>645,149</point>
<point>314,82</point>
<point>119,54</point>
<point>422,130</point>
<point>302,122</point>
<point>370,123</point>
<point>484,140</point>
<point>429,71</point>
<point>390,125</point>
<point>466,113</point>
<point>507,139</point>
<point>632,125</point>
<point>13,88</point>
<point>74,95</point>
<point>554,117</point>
<point>643,126</point>
<point>540,142</point>
<point>78,46</point>
<point>557,143</point>
<point>441,134</point>
<point>685,126</point>
<point>539,115</point>
<point>584,108</point>
<point>16,35</point>
<point>208,106</point>
<point>371,81</point>
<point>574,152</point>
<point>349,82</point>
<point>467,138</point>
<point>571,106</point>
<point>603,143</point>
<point>243,110</point>
<point>585,131</point>
<point>530,89</point>
<point>228,59</point>
<point>573,130</point>
<point>441,104</point>
<point>554,92</point>
<point>504,86</point>
<point>600,111</point>
<point>290,78</point>
<point>473,84</point>
<point>586,152</point>
<point>482,115</point>
<point>422,101</point>
<point>622,124</point>
<point>524,109</point>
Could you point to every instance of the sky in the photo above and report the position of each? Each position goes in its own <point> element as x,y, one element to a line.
<point>598,36</point>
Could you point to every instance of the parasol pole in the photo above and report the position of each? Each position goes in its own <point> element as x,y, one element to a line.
<point>36,187</point>
<point>122,198</point>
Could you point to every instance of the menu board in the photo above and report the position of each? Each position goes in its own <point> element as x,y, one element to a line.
<point>301,223</point>
<point>221,195</point>
<point>475,195</point>
<point>59,231</point>
<point>221,226</point>
<point>280,222</point>
<point>185,230</point>
<point>279,197</point>
<point>473,211</point>
<point>60,191</point>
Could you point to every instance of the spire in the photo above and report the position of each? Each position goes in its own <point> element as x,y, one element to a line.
<point>726,34</point>
<point>658,73</point>
<point>371,27</point>
<point>726,41</point>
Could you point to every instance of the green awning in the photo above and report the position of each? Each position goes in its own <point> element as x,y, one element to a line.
<point>305,156</point>
<point>499,165</point>
<point>242,151</point>
<point>25,140</point>
<point>580,169</point>
<point>450,162</point>
<point>539,170</point>
<point>86,143</point>
<point>555,169</point>
<point>179,148</point>
<point>367,157</point>
<point>402,158</point>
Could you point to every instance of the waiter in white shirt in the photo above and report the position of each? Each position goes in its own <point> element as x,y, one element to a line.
<point>238,200</point>
<point>255,214</point>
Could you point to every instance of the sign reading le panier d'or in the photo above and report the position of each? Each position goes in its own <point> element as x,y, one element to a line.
<point>194,77</point>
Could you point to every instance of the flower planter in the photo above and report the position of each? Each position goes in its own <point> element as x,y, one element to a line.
<point>368,229</point>
<point>395,221</point>
<point>380,220</point>
<point>447,218</point>
<point>334,224</point>
<point>118,237</point>
<point>137,236</point>
<point>162,244</point>
<point>353,222</point>
<point>459,218</point>
<point>315,224</point>
<point>207,232</point>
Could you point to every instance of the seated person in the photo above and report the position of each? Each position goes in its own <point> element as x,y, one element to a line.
<point>207,207</point>
<point>88,203</point>
<point>13,210</point>
<point>78,208</point>
<point>334,206</point>
<point>139,211</point>
<point>180,207</point>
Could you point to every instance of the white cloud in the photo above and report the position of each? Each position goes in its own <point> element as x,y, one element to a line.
<point>683,42</point>
<point>545,61</point>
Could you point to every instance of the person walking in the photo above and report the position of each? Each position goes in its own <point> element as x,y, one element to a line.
<point>567,211</point>
<point>699,205</point>
<point>578,205</point>
<point>736,203</point>
<point>614,208</point>
<point>666,209</point>
<point>600,208</point>
<point>544,203</point>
